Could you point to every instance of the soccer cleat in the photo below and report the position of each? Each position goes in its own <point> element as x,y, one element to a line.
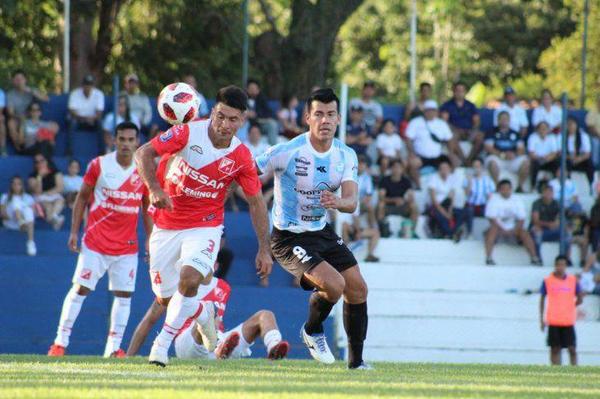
<point>317,346</point>
<point>208,330</point>
<point>118,354</point>
<point>279,351</point>
<point>362,366</point>
<point>227,346</point>
<point>56,351</point>
<point>159,355</point>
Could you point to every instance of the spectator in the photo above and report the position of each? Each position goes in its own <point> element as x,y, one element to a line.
<point>139,105</point>
<point>506,151</point>
<point>590,275</point>
<point>72,182</point>
<point>594,224</point>
<point>545,220</point>
<point>358,136</point>
<point>446,218</point>
<point>46,185</point>
<point>16,210</point>
<point>36,135</point>
<point>260,112</point>
<point>389,145</point>
<point>571,197</point>
<point>124,114</point>
<point>479,189</point>
<point>463,118</point>
<point>366,190</point>
<point>506,214</point>
<point>373,111</point>
<point>547,112</point>
<point>518,117</point>
<point>288,117</point>
<point>417,109</point>
<point>3,151</point>
<point>397,198</point>
<point>18,100</point>
<point>203,110</point>
<point>353,230</point>
<point>86,105</point>
<point>255,142</point>
<point>579,149</point>
<point>543,151</point>
<point>427,135</point>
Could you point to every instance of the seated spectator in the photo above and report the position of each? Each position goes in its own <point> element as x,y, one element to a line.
<point>46,185</point>
<point>479,189</point>
<point>579,149</point>
<point>358,136</point>
<point>506,214</point>
<point>366,190</point>
<point>203,110</point>
<point>417,109</point>
<point>109,123</point>
<point>16,210</point>
<point>446,218</point>
<point>18,100</point>
<point>543,151</point>
<point>427,136</point>
<point>260,112</point>
<point>255,142</point>
<point>72,182</point>
<point>589,279</point>
<point>518,117</point>
<point>397,198</point>
<point>288,117</point>
<point>545,220</point>
<point>3,151</point>
<point>373,111</point>
<point>139,105</point>
<point>86,105</point>
<point>571,196</point>
<point>353,230</point>
<point>35,134</point>
<point>594,225</point>
<point>506,151</point>
<point>547,112</point>
<point>389,145</point>
<point>463,118</point>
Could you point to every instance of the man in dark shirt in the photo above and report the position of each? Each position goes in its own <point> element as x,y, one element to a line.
<point>260,112</point>
<point>545,220</point>
<point>357,132</point>
<point>506,151</point>
<point>397,198</point>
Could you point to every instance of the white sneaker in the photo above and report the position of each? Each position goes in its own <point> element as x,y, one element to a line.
<point>208,330</point>
<point>31,248</point>
<point>317,346</point>
<point>362,366</point>
<point>159,355</point>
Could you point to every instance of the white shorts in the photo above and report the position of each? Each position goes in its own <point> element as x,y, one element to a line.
<point>12,223</point>
<point>512,165</point>
<point>187,348</point>
<point>92,265</point>
<point>172,249</point>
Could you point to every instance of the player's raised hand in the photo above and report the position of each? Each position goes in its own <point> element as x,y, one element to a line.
<point>72,243</point>
<point>264,262</point>
<point>329,200</point>
<point>160,199</point>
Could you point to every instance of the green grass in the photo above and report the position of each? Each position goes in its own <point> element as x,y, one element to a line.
<point>93,377</point>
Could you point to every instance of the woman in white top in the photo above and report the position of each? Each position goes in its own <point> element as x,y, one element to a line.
<point>389,144</point>
<point>445,218</point>
<point>543,151</point>
<point>547,112</point>
<point>16,210</point>
<point>579,149</point>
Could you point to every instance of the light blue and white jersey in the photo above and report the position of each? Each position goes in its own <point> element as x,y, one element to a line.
<point>301,173</point>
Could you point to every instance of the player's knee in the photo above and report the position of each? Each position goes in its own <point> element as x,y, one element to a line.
<point>335,288</point>
<point>266,316</point>
<point>163,301</point>
<point>357,293</point>
<point>83,291</point>
<point>189,280</point>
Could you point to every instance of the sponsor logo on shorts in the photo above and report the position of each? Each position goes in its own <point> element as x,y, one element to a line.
<point>209,250</point>
<point>301,254</point>
<point>166,136</point>
<point>86,274</point>
<point>311,218</point>
<point>340,242</point>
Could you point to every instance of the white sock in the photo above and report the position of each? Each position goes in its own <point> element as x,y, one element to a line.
<point>68,315</point>
<point>179,310</point>
<point>271,339</point>
<point>118,321</point>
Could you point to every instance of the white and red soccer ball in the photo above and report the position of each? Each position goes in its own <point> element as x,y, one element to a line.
<point>178,103</point>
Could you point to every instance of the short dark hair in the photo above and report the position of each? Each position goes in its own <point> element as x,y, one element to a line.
<point>252,80</point>
<point>503,113</point>
<point>504,182</point>
<point>479,159</point>
<point>561,257</point>
<point>459,83</point>
<point>444,159</point>
<point>127,125</point>
<point>17,72</point>
<point>73,160</point>
<point>324,96</point>
<point>252,125</point>
<point>424,84</point>
<point>233,97</point>
<point>396,161</point>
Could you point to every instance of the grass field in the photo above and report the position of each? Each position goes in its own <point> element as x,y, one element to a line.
<point>92,377</point>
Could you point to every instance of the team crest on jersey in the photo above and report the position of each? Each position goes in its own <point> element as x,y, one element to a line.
<point>166,136</point>
<point>339,167</point>
<point>135,179</point>
<point>226,165</point>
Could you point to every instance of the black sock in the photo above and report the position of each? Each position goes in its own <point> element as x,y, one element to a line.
<point>356,321</point>
<point>318,310</point>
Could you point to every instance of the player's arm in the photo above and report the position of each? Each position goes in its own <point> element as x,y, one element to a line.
<point>260,221</point>
<point>81,201</point>
<point>347,203</point>
<point>155,311</point>
<point>148,224</point>
<point>144,159</point>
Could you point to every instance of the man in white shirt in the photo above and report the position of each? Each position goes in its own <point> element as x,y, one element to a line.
<point>427,135</point>
<point>373,111</point>
<point>446,214</point>
<point>518,116</point>
<point>86,105</point>
<point>506,214</point>
<point>547,112</point>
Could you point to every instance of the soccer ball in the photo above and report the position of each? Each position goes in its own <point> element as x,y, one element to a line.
<point>178,103</point>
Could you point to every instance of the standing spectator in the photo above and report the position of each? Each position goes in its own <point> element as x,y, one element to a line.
<point>397,198</point>
<point>417,109</point>
<point>506,151</point>
<point>358,136</point>
<point>389,145</point>
<point>506,214</point>
<point>46,185</point>
<point>560,296</point>
<point>3,152</point>
<point>18,100</point>
<point>16,211</point>
<point>109,123</point>
<point>579,149</point>
<point>86,105</point>
<point>191,80</point>
<point>547,112</point>
<point>427,135</point>
<point>139,105</point>
<point>288,117</point>
<point>543,151</point>
<point>446,218</point>
<point>373,111</point>
<point>255,142</point>
<point>545,220</point>
<point>518,116</point>
<point>463,118</point>
<point>35,134</point>
<point>260,112</point>
<point>72,182</point>
<point>479,188</point>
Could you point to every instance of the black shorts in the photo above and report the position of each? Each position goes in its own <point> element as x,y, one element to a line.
<point>562,337</point>
<point>298,253</point>
<point>433,162</point>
